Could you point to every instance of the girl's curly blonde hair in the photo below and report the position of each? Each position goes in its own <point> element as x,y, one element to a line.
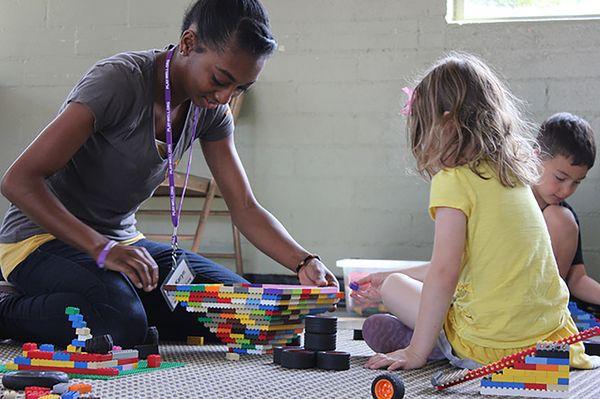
<point>462,114</point>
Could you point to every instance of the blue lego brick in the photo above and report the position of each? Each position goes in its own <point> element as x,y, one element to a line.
<point>563,381</point>
<point>70,395</point>
<point>558,360</point>
<point>79,324</point>
<point>81,365</point>
<point>76,317</point>
<point>22,361</point>
<point>61,356</point>
<point>78,343</point>
<point>47,347</point>
<point>538,360</point>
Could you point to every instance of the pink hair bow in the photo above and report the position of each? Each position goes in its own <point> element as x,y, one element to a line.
<point>407,110</point>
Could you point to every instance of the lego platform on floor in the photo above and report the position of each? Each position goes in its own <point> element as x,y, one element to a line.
<point>207,373</point>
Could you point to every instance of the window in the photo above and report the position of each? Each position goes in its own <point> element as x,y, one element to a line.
<point>486,10</point>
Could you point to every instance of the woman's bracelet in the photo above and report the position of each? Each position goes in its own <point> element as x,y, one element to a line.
<point>104,253</point>
<point>305,262</point>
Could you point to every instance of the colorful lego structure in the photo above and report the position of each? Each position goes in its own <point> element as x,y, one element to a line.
<point>545,374</point>
<point>74,360</point>
<point>253,318</point>
<point>442,381</point>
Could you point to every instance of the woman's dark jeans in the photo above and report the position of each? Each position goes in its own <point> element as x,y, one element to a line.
<point>57,275</point>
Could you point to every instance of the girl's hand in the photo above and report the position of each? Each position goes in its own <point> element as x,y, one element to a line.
<point>369,290</point>
<point>315,273</point>
<point>136,263</point>
<point>405,359</point>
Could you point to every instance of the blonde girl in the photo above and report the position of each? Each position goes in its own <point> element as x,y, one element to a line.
<point>492,287</point>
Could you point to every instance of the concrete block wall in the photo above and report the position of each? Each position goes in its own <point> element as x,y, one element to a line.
<point>320,134</point>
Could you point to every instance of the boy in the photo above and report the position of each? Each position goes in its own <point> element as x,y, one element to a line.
<point>568,152</point>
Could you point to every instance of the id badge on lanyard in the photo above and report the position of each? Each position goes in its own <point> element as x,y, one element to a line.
<point>181,272</point>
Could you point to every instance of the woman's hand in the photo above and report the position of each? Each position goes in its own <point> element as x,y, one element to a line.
<point>316,273</point>
<point>136,263</point>
<point>405,358</point>
<point>369,288</point>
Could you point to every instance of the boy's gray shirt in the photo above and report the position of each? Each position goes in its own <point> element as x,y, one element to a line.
<point>119,166</point>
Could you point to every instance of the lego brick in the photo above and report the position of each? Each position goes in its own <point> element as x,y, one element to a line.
<point>81,388</point>
<point>194,340</point>
<point>70,310</point>
<point>82,331</point>
<point>232,356</point>
<point>47,347</point>
<point>125,354</point>
<point>106,371</point>
<point>154,361</point>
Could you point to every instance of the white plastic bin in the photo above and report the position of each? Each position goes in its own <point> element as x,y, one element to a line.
<point>355,269</point>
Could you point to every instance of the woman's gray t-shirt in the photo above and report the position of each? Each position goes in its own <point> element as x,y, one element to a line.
<point>119,166</point>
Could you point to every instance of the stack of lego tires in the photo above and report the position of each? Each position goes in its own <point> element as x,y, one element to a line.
<point>319,349</point>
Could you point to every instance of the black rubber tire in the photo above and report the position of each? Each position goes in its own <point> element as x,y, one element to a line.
<point>320,324</point>
<point>320,342</point>
<point>297,359</point>
<point>277,352</point>
<point>18,380</point>
<point>333,360</point>
<point>397,385</point>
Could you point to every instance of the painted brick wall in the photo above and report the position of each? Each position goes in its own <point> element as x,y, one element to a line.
<point>320,134</point>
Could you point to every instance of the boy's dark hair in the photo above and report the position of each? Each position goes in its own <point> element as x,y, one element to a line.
<point>217,22</point>
<point>568,135</point>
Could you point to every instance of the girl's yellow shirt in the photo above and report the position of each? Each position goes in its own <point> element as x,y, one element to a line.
<point>509,294</point>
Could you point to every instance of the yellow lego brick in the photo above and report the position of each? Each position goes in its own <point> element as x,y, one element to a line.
<point>71,348</point>
<point>52,363</point>
<point>11,366</point>
<point>563,368</point>
<point>50,396</point>
<point>528,378</point>
<point>541,377</point>
<point>502,378</point>
<point>195,340</point>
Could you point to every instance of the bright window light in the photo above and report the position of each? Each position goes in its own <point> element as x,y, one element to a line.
<point>486,10</point>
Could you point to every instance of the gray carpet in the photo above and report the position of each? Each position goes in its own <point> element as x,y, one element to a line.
<point>208,374</point>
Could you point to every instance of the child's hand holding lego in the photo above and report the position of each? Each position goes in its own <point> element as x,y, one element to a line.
<point>368,288</point>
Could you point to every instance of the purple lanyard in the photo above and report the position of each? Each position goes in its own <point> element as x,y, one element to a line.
<point>175,211</point>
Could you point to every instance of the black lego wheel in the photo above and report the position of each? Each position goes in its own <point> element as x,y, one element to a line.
<point>297,359</point>
<point>18,380</point>
<point>320,325</point>
<point>319,342</point>
<point>333,360</point>
<point>277,352</point>
<point>387,386</point>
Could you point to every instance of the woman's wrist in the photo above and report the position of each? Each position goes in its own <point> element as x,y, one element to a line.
<point>101,259</point>
<point>305,261</point>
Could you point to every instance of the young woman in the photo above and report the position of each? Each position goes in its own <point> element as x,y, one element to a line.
<point>70,236</point>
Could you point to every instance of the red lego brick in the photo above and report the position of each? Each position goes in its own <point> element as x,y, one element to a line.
<point>29,346</point>
<point>153,361</point>
<point>121,362</point>
<point>90,357</point>
<point>38,354</point>
<point>543,387</point>
<point>36,392</point>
